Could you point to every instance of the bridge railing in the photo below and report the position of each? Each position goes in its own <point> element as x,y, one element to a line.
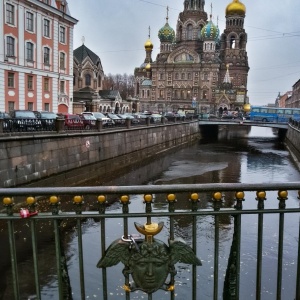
<point>165,208</point>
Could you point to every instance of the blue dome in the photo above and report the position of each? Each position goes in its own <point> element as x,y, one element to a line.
<point>210,31</point>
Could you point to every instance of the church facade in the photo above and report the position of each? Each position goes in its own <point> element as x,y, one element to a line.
<point>197,68</point>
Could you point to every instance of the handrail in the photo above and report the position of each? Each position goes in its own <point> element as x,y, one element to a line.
<point>57,212</point>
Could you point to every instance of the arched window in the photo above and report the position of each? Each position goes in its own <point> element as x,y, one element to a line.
<point>232,42</point>
<point>87,79</point>
<point>189,32</point>
<point>180,33</point>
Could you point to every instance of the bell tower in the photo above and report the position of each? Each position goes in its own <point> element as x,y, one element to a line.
<point>233,44</point>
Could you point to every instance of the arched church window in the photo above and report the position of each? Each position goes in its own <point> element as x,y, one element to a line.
<point>87,79</point>
<point>183,76</point>
<point>189,95</point>
<point>189,76</point>
<point>204,94</point>
<point>183,57</point>
<point>189,32</point>
<point>176,94</point>
<point>99,81</point>
<point>74,79</point>
<point>180,33</point>
<point>242,42</point>
<point>176,76</point>
<point>182,95</point>
<point>232,42</point>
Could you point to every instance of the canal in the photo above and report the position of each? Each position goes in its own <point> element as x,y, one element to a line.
<point>245,155</point>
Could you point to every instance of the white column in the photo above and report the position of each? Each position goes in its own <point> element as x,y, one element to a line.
<point>22,90</point>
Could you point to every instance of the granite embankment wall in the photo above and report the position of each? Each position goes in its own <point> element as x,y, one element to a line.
<point>292,140</point>
<point>73,158</point>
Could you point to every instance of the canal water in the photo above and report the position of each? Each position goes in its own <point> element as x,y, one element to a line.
<point>253,155</point>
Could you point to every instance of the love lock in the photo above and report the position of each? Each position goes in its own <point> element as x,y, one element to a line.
<point>24,213</point>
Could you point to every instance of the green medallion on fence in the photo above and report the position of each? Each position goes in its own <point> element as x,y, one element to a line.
<point>149,261</point>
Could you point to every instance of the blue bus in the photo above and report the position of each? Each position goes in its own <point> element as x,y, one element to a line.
<point>273,114</point>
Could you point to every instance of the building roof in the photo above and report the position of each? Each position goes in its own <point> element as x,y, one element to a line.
<point>82,52</point>
<point>109,94</point>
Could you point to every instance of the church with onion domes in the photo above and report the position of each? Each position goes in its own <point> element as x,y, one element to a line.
<point>198,67</point>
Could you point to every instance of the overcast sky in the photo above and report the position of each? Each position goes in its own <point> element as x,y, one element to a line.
<point>116,31</point>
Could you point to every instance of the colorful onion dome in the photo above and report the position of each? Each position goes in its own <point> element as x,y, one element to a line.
<point>166,34</point>
<point>148,45</point>
<point>236,8</point>
<point>210,31</point>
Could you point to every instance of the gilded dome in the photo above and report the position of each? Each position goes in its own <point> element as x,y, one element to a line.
<point>148,45</point>
<point>236,8</point>
<point>210,31</point>
<point>148,67</point>
<point>247,107</point>
<point>166,34</point>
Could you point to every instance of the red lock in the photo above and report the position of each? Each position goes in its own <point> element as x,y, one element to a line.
<point>24,213</point>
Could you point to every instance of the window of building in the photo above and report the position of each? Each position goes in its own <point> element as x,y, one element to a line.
<point>62,58</point>
<point>10,46</point>
<point>189,76</point>
<point>47,56</point>
<point>11,105</point>
<point>189,32</point>
<point>87,79</point>
<point>47,1</point>
<point>29,21</point>
<point>161,76</point>
<point>11,80</point>
<point>183,76</point>
<point>62,34</point>
<point>161,93</point>
<point>62,7</point>
<point>46,84</point>
<point>47,107</point>
<point>30,82</point>
<point>10,14</point>
<point>62,86</point>
<point>176,76</point>
<point>29,51</point>
<point>46,28</point>
<point>30,106</point>
<point>204,94</point>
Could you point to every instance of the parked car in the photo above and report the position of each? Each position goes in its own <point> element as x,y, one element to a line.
<point>25,120</point>
<point>7,121</point>
<point>155,118</point>
<point>172,115</point>
<point>47,118</point>
<point>107,122</point>
<point>72,121</point>
<point>131,117</point>
<point>89,121</point>
<point>116,119</point>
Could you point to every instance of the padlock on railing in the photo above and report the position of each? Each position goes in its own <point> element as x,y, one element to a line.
<point>24,213</point>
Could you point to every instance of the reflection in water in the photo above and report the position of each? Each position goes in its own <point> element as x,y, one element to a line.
<point>236,156</point>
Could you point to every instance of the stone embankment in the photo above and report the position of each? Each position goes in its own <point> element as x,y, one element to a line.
<point>62,159</point>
